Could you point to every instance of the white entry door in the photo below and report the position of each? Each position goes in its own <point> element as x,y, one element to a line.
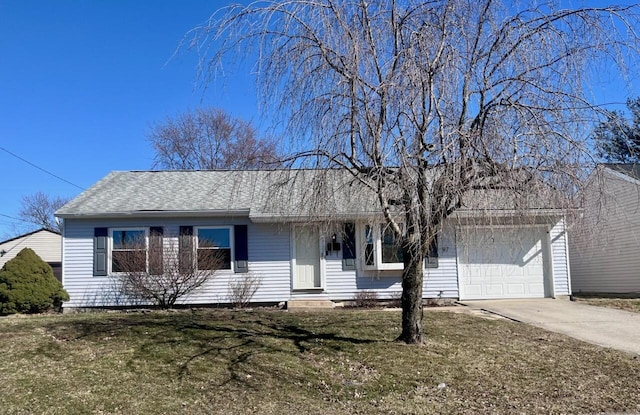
<point>306,254</point>
<point>501,263</point>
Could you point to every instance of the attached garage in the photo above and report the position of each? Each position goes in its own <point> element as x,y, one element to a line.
<point>502,262</point>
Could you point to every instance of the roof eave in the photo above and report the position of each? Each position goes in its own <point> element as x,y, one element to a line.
<point>474,213</point>
<point>270,218</point>
<point>157,213</point>
<point>275,218</point>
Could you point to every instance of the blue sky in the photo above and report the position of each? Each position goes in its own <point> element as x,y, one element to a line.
<point>80,83</point>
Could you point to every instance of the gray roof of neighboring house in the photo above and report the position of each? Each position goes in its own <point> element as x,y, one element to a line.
<point>259,194</point>
<point>630,169</point>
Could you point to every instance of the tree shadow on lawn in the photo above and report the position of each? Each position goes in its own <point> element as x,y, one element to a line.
<point>236,341</point>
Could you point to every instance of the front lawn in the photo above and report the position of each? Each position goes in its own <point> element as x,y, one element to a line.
<point>274,362</point>
<point>628,304</point>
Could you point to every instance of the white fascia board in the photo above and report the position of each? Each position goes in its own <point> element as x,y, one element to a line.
<point>622,176</point>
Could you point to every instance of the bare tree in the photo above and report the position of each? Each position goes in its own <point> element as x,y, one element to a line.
<point>430,103</point>
<point>209,138</point>
<point>39,209</point>
<point>162,273</point>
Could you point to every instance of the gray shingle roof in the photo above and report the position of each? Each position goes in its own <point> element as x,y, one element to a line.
<point>630,169</point>
<point>261,195</point>
<point>281,193</point>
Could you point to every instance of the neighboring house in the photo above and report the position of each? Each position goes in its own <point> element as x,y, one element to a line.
<point>47,244</point>
<point>604,244</point>
<point>309,234</point>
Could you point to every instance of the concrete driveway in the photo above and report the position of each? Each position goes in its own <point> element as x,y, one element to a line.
<point>606,327</point>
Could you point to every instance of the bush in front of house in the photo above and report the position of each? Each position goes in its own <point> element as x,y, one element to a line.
<point>27,285</point>
<point>366,299</point>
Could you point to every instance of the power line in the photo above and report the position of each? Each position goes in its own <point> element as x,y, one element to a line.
<point>13,218</point>
<point>40,168</point>
<point>10,217</point>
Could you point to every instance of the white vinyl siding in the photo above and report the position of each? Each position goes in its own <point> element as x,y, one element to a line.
<point>437,282</point>
<point>604,245</point>
<point>48,246</point>
<point>269,248</point>
<point>268,259</point>
<point>559,259</point>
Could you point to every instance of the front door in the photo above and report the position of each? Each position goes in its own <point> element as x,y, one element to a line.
<point>306,254</point>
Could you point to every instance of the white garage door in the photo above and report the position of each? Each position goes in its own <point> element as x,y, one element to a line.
<point>501,263</point>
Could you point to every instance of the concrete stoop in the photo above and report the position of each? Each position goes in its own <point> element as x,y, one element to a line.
<point>310,305</point>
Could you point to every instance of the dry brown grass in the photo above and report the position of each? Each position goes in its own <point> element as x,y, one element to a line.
<point>628,304</point>
<point>274,362</point>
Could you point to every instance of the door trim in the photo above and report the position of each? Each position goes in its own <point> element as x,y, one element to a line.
<point>322,260</point>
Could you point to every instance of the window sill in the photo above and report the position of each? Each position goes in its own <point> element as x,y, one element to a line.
<point>395,266</point>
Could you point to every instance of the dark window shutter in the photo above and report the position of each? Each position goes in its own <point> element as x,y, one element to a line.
<point>186,249</point>
<point>349,247</point>
<point>241,248</point>
<point>100,256</point>
<point>155,250</point>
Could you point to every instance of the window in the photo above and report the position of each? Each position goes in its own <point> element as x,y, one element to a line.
<point>369,253</point>
<point>128,250</point>
<point>391,249</point>
<point>383,250</point>
<point>213,246</point>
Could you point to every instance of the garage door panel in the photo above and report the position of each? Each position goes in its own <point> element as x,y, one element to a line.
<point>537,289</point>
<point>516,289</point>
<point>474,290</point>
<point>495,290</point>
<point>501,263</point>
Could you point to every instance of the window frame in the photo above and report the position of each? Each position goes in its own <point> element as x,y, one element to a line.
<point>111,247</point>
<point>196,245</point>
<point>378,264</point>
<point>375,229</point>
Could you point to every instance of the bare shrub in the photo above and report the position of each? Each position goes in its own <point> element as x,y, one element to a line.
<point>161,274</point>
<point>243,288</point>
<point>366,299</point>
<point>395,299</point>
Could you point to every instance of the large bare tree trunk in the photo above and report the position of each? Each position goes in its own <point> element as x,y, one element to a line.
<point>412,297</point>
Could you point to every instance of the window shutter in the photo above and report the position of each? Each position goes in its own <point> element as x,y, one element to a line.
<point>100,252</point>
<point>185,249</point>
<point>432,255</point>
<point>349,247</point>
<point>241,248</point>
<point>155,250</point>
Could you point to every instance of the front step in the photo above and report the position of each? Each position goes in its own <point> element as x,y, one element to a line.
<point>310,305</point>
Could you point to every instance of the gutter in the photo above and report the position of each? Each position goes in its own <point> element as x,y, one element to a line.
<point>157,213</point>
<point>479,213</point>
